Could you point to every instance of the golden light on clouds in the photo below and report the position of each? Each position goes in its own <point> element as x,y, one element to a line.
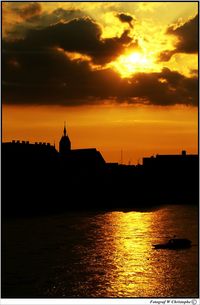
<point>98,66</point>
<point>128,64</point>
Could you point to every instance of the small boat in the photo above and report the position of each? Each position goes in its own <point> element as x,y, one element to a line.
<point>175,243</point>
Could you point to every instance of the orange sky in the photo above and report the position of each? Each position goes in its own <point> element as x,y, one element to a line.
<point>127,83</point>
<point>138,132</point>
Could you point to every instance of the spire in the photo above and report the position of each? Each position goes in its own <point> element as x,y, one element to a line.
<point>64,144</point>
<point>64,128</point>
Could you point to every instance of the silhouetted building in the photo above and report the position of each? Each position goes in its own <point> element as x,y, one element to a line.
<point>65,144</point>
<point>171,162</point>
<point>37,155</point>
<point>87,160</point>
<point>172,178</point>
<point>27,152</point>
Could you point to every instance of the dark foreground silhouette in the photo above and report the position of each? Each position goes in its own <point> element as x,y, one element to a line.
<point>36,179</point>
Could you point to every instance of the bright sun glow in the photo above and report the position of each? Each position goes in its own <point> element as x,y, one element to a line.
<point>128,64</point>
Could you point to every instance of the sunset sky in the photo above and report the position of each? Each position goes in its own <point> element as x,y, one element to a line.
<point>124,76</point>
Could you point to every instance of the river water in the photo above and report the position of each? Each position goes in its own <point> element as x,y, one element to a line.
<point>100,255</point>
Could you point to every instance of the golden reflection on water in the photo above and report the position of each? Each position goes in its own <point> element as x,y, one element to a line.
<point>133,267</point>
<point>130,252</point>
<point>103,254</point>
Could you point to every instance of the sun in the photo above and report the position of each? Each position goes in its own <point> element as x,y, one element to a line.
<point>129,63</point>
<point>134,58</point>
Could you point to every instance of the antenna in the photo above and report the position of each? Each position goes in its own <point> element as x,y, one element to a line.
<point>64,128</point>
<point>121,156</point>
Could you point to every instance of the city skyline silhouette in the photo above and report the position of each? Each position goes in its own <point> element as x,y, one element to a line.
<point>99,152</point>
<point>39,167</point>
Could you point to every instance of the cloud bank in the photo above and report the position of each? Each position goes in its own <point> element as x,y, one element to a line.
<point>38,69</point>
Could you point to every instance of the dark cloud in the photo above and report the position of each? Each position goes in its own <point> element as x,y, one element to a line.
<point>166,88</point>
<point>194,72</point>
<point>166,55</point>
<point>29,10</point>
<point>35,71</point>
<point>78,35</point>
<point>52,78</point>
<point>39,20</point>
<point>187,35</point>
<point>125,18</point>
